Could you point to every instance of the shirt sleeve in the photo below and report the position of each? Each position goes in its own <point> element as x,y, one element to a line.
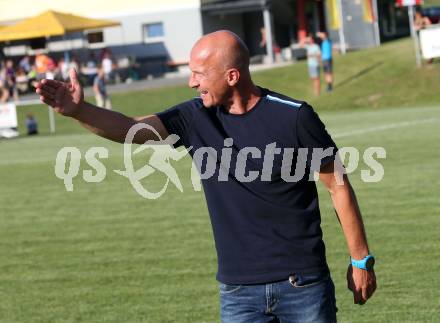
<point>178,120</point>
<point>312,134</point>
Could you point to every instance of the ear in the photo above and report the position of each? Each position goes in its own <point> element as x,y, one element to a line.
<point>233,76</point>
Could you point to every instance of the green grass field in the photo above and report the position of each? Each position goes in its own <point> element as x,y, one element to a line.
<point>104,254</point>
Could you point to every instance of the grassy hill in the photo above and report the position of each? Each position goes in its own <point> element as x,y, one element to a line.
<point>374,78</point>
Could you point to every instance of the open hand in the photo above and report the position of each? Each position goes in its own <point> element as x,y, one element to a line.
<point>65,98</point>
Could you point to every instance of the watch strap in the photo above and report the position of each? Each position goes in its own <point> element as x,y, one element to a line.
<point>361,264</point>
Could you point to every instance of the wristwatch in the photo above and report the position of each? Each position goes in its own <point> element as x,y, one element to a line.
<point>367,263</point>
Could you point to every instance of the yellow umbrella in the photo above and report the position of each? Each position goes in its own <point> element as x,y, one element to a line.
<point>51,23</point>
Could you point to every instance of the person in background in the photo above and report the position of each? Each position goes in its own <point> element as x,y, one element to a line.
<point>31,124</point>
<point>313,59</point>
<point>32,76</point>
<point>4,93</point>
<point>421,22</point>
<point>107,65</point>
<point>73,63</point>
<point>21,81</point>
<point>326,59</point>
<point>41,64</point>
<point>11,84</point>
<point>276,50</point>
<point>262,43</point>
<point>90,69</point>
<point>63,69</point>
<point>25,64</point>
<point>100,89</point>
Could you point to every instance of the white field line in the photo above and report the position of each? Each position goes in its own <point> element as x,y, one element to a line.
<point>384,127</point>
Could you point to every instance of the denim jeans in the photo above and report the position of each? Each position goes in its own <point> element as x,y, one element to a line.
<point>303,298</point>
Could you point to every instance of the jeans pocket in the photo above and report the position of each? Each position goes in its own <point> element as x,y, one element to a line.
<point>308,280</point>
<point>229,289</point>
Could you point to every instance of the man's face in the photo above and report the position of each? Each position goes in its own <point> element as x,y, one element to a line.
<point>209,78</point>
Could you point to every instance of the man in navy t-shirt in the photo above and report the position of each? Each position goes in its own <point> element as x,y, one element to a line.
<point>265,226</point>
<point>257,152</point>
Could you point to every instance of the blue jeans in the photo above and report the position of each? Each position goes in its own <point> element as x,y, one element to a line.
<point>303,298</point>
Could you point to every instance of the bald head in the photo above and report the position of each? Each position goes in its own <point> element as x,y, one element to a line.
<point>219,65</point>
<point>224,49</point>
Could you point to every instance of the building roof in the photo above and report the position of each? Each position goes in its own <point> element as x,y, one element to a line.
<point>227,7</point>
<point>51,23</point>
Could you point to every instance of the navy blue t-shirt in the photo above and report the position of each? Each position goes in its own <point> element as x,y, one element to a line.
<point>265,227</point>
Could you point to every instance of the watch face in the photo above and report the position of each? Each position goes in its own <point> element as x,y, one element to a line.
<point>370,263</point>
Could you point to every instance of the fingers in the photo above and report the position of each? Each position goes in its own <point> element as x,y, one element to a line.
<point>49,83</point>
<point>46,92</point>
<point>48,101</point>
<point>357,297</point>
<point>47,89</point>
<point>371,288</point>
<point>361,295</point>
<point>371,284</point>
<point>50,91</point>
<point>73,76</point>
<point>364,294</point>
<point>47,97</point>
<point>362,283</point>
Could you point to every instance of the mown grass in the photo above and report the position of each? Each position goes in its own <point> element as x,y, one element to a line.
<point>104,254</point>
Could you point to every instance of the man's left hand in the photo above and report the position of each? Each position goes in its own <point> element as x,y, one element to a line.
<point>362,283</point>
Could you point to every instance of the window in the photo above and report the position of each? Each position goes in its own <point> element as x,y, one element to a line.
<point>153,32</point>
<point>38,43</point>
<point>95,37</point>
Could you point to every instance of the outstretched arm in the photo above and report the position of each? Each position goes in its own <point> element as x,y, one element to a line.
<point>68,100</point>
<point>361,282</point>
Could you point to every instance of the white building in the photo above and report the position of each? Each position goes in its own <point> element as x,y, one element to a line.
<point>160,34</point>
<point>157,33</point>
